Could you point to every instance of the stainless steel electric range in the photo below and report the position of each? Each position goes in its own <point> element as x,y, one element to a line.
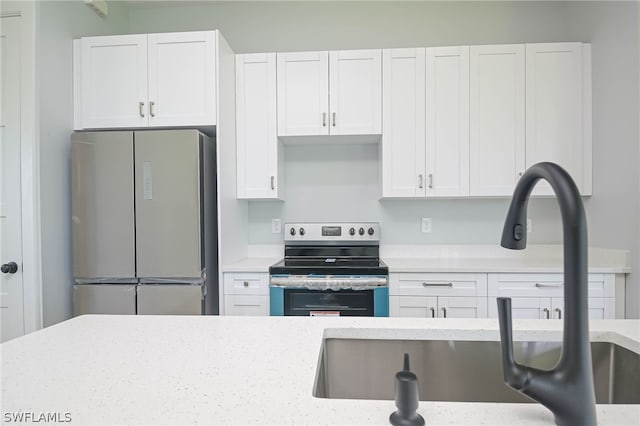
<point>331,269</point>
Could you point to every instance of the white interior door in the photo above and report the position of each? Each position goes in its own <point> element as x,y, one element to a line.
<point>11,286</point>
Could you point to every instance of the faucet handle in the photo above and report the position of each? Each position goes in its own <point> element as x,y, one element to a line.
<point>515,375</point>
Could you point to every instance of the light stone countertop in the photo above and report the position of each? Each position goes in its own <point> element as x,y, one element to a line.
<point>491,265</point>
<point>243,370</point>
<point>251,264</point>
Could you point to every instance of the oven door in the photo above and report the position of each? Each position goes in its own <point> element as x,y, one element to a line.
<point>305,302</point>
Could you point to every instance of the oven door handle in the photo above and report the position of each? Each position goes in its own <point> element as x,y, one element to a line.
<point>310,282</point>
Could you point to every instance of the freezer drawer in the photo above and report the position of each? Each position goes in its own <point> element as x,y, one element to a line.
<point>104,299</point>
<point>170,299</point>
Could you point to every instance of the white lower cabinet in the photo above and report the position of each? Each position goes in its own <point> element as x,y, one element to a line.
<point>541,296</point>
<point>246,293</point>
<point>431,295</point>
<point>437,307</point>
<point>473,295</point>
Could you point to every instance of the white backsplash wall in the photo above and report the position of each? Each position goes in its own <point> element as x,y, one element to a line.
<point>341,183</point>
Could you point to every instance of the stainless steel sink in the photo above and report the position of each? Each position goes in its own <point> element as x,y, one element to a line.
<point>465,371</point>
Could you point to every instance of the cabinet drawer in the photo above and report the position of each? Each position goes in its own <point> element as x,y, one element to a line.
<point>545,285</point>
<point>250,283</point>
<point>246,305</point>
<point>428,284</point>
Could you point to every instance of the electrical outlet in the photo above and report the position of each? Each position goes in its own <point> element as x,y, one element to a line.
<point>425,224</point>
<point>529,225</point>
<point>276,226</point>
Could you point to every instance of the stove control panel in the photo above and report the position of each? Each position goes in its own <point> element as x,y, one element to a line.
<point>361,231</point>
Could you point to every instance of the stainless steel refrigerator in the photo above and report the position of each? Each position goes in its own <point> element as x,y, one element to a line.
<point>144,224</point>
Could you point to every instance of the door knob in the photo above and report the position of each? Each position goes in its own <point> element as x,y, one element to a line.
<point>9,268</point>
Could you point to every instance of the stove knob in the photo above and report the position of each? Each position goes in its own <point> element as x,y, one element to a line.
<point>370,231</point>
<point>352,231</point>
<point>301,231</point>
<point>292,231</point>
<point>361,231</point>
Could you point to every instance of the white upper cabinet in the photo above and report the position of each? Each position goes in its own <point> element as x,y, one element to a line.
<point>257,140</point>
<point>182,79</point>
<point>355,92</point>
<point>114,81</point>
<point>303,93</point>
<point>403,112</point>
<point>329,93</point>
<point>529,103</point>
<point>145,80</point>
<point>558,110</point>
<point>447,121</point>
<point>425,143</point>
<point>497,118</point>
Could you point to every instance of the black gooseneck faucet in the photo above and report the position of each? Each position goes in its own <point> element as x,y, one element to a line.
<point>567,390</point>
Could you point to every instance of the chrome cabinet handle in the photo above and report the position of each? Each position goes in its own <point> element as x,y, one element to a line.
<point>420,183</point>
<point>141,109</point>
<point>546,312</point>
<point>444,312</point>
<point>430,180</point>
<point>324,119</point>
<point>437,284</point>
<point>246,283</point>
<point>151,111</point>
<point>334,119</point>
<point>559,312</point>
<point>433,312</point>
<point>273,182</point>
<point>538,285</point>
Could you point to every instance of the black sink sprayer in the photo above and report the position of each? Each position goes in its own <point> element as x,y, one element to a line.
<point>406,390</point>
<point>567,390</point>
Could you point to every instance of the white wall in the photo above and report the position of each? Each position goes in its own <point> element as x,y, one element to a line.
<point>342,183</point>
<point>57,24</point>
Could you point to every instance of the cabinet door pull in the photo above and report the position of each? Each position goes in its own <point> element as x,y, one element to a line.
<point>420,183</point>
<point>324,119</point>
<point>546,312</point>
<point>245,283</point>
<point>444,312</point>
<point>334,119</point>
<point>430,180</point>
<point>151,111</point>
<point>538,285</point>
<point>273,182</point>
<point>141,109</point>
<point>559,312</point>
<point>437,284</point>
<point>433,312</point>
